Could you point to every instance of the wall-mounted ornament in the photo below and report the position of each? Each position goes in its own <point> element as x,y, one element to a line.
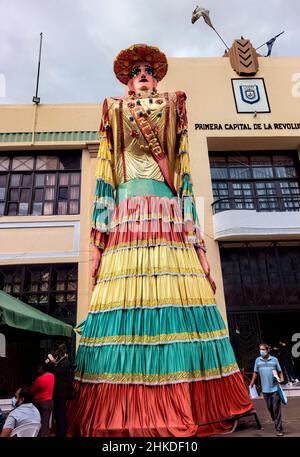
<point>243,57</point>
<point>250,95</point>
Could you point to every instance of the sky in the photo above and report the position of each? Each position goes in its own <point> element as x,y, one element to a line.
<point>82,37</point>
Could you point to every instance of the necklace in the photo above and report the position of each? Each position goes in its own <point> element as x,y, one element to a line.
<point>143,94</point>
<point>135,99</point>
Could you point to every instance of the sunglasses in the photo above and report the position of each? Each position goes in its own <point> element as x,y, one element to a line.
<point>137,71</point>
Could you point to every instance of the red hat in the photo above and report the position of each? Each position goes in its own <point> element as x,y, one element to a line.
<point>140,53</point>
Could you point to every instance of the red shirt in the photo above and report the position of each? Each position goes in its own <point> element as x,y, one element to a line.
<point>42,387</point>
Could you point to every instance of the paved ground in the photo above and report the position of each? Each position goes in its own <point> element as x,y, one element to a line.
<point>290,415</point>
<point>291,421</point>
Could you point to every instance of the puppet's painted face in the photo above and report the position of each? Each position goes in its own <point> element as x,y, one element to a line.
<point>142,78</point>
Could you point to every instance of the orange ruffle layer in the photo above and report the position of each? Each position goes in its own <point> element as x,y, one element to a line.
<point>180,410</point>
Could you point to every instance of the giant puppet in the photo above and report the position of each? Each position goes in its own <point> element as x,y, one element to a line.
<point>154,357</point>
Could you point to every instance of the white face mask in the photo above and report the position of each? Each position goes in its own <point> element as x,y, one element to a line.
<point>14,402</point>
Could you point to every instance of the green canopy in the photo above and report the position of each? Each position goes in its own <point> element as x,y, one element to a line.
<point>15,313</point>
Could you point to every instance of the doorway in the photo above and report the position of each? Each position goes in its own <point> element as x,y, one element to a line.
<point>248,330</point>
<point>281,326</point>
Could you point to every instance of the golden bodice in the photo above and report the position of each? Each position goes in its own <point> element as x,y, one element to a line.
<point>131,156</point>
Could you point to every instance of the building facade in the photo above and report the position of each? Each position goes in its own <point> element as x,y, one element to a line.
<point>244,136</point>
<point>47,155</point>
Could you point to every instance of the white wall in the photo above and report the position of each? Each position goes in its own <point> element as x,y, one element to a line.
<point>233,224</point>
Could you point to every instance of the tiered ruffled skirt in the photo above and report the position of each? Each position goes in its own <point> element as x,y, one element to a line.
<point>154,357</point>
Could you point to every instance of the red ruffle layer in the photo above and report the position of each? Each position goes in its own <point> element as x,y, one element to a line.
<point>146,232</point>
<point>150,218</point>
<point>180,410</point>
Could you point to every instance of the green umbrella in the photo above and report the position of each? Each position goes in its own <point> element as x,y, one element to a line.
<point>15,313</point>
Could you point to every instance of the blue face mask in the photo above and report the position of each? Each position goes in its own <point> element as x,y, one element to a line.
<point>14,402</point>
<point>263,353</point>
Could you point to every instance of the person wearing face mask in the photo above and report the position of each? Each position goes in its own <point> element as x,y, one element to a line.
<point>270,373</point>
<point>24,412</point>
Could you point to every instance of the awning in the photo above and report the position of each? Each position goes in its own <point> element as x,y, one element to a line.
<point>15,313</point>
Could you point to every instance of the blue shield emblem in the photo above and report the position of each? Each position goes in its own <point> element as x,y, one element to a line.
<point>250,93</point>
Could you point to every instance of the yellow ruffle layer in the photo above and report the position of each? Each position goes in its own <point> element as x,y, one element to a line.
<point>104,151</point>
<point>182,164</point>
<point>149,261</point>
<point>157,339</point>
<point>154,242</point>
<point>104,171</point>
<point>159,379</point>
<point>104,158</point>
<point>175,288</point>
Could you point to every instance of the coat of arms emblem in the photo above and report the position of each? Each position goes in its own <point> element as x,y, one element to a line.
<point>250,93</point>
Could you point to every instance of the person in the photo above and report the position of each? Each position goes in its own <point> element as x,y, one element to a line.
<point>1,420</point>
<point>24,412</point>
<point>42,391</point>
<point>287,363</point>
<point>62,387</point>
<point>270,373</point>
<point>154,358</point>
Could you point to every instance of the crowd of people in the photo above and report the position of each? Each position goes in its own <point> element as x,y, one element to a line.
<point>45,399</point>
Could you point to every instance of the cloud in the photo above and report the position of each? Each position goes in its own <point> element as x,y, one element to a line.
<point>82,37</point>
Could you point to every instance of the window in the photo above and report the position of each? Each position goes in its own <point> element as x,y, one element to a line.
<point>220,192</point>
<point>265,181</point>
<point>238,167</point>
<point>40,184</point>
<point>261,275</point>
<point>49,288</point>
<point>243,192</point>
<point>268,190</point>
